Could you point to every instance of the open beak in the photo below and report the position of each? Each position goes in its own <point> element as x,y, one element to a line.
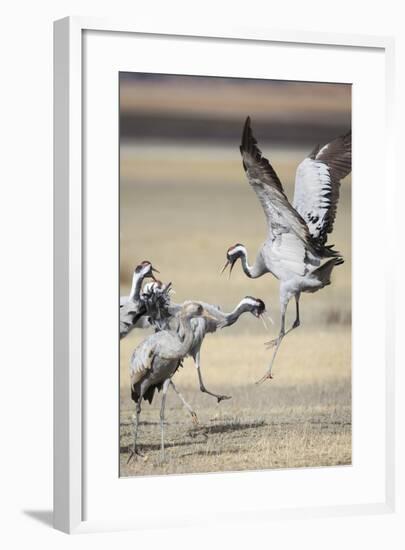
<point>226,265</point>
<point>270,319</point>
<point>261,317</point>
<point>153,270</point>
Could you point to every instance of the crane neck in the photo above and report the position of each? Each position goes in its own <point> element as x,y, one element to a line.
<point>254,271</point>
<point>135,292</point>
<point>233,316</point>
<point>187,331</point>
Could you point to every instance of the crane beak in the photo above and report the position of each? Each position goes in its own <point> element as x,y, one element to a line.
<point>261,317</point>
<point>153,270</point>
<point>270,319</point>
<point>230,269</point>
<point>225,266</point>
<point>231,263</point>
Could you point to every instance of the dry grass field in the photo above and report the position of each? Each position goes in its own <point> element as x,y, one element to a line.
<point>181,208</point>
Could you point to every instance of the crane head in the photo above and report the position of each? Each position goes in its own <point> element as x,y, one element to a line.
<point>257,306</point>
<point>194,309</point>
<point>146,269</point>
<point>233,253</point>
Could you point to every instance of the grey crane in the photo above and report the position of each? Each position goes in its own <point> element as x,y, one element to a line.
<point>162,314</point>
<point>155,361</point>
<point>295,250</point>
<point>218,319</point>
<point>132,307</point>
<point>143,311</point>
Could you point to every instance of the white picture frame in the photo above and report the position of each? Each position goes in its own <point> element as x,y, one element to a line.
<point>71,200</point>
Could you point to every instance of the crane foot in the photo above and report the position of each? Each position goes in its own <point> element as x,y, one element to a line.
<point>223,397</point>
<point>267,376</point>
<point>134,454</point>
<point>271,343</point>
<point>219,398</point>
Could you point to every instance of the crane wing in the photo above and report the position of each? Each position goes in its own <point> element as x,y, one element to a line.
<point>280,215</point>
<point>130,313</point>
<point>141,361</point>
<point>317,185</point>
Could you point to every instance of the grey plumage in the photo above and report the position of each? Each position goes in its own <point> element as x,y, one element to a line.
<point>155,299</point>
<point>132,307</point>
<point>296,242</point>
<point>203,325</point>
<point>155,361</point>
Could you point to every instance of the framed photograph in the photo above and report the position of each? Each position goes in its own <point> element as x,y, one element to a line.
<point>181,154</point>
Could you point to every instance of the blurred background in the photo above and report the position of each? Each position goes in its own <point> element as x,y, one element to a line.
<point>184,195</point>
<point>184,200</point>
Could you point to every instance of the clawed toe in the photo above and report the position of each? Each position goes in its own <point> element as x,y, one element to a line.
<point>267,376</point>
<point>222,397</point>
<point>134,454</point>
<point>271,343</point>
<point>219,398</point>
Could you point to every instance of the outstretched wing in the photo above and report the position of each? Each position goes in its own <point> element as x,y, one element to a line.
<point>280,215</point>
<point>317,185</point>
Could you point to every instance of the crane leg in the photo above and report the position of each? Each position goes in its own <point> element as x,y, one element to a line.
<point>202,387</point>
<point>296,323</point>
<point>135,428</point>
<point>281,335</point>
<point>186,405</point>
<point>162,418</point>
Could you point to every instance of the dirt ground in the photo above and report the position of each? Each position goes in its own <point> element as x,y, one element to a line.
<point>300,418</point>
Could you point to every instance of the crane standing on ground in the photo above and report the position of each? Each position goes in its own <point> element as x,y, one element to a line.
<point>156,360</point>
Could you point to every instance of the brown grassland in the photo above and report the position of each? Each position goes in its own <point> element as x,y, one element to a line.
<point>182,212</point>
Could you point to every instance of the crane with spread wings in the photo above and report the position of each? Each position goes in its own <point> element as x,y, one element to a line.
<point>295,250</point>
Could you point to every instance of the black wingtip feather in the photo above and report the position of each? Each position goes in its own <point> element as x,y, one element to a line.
<point>251,154</point>
<point>249,143</point>
<point>246,136</point>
